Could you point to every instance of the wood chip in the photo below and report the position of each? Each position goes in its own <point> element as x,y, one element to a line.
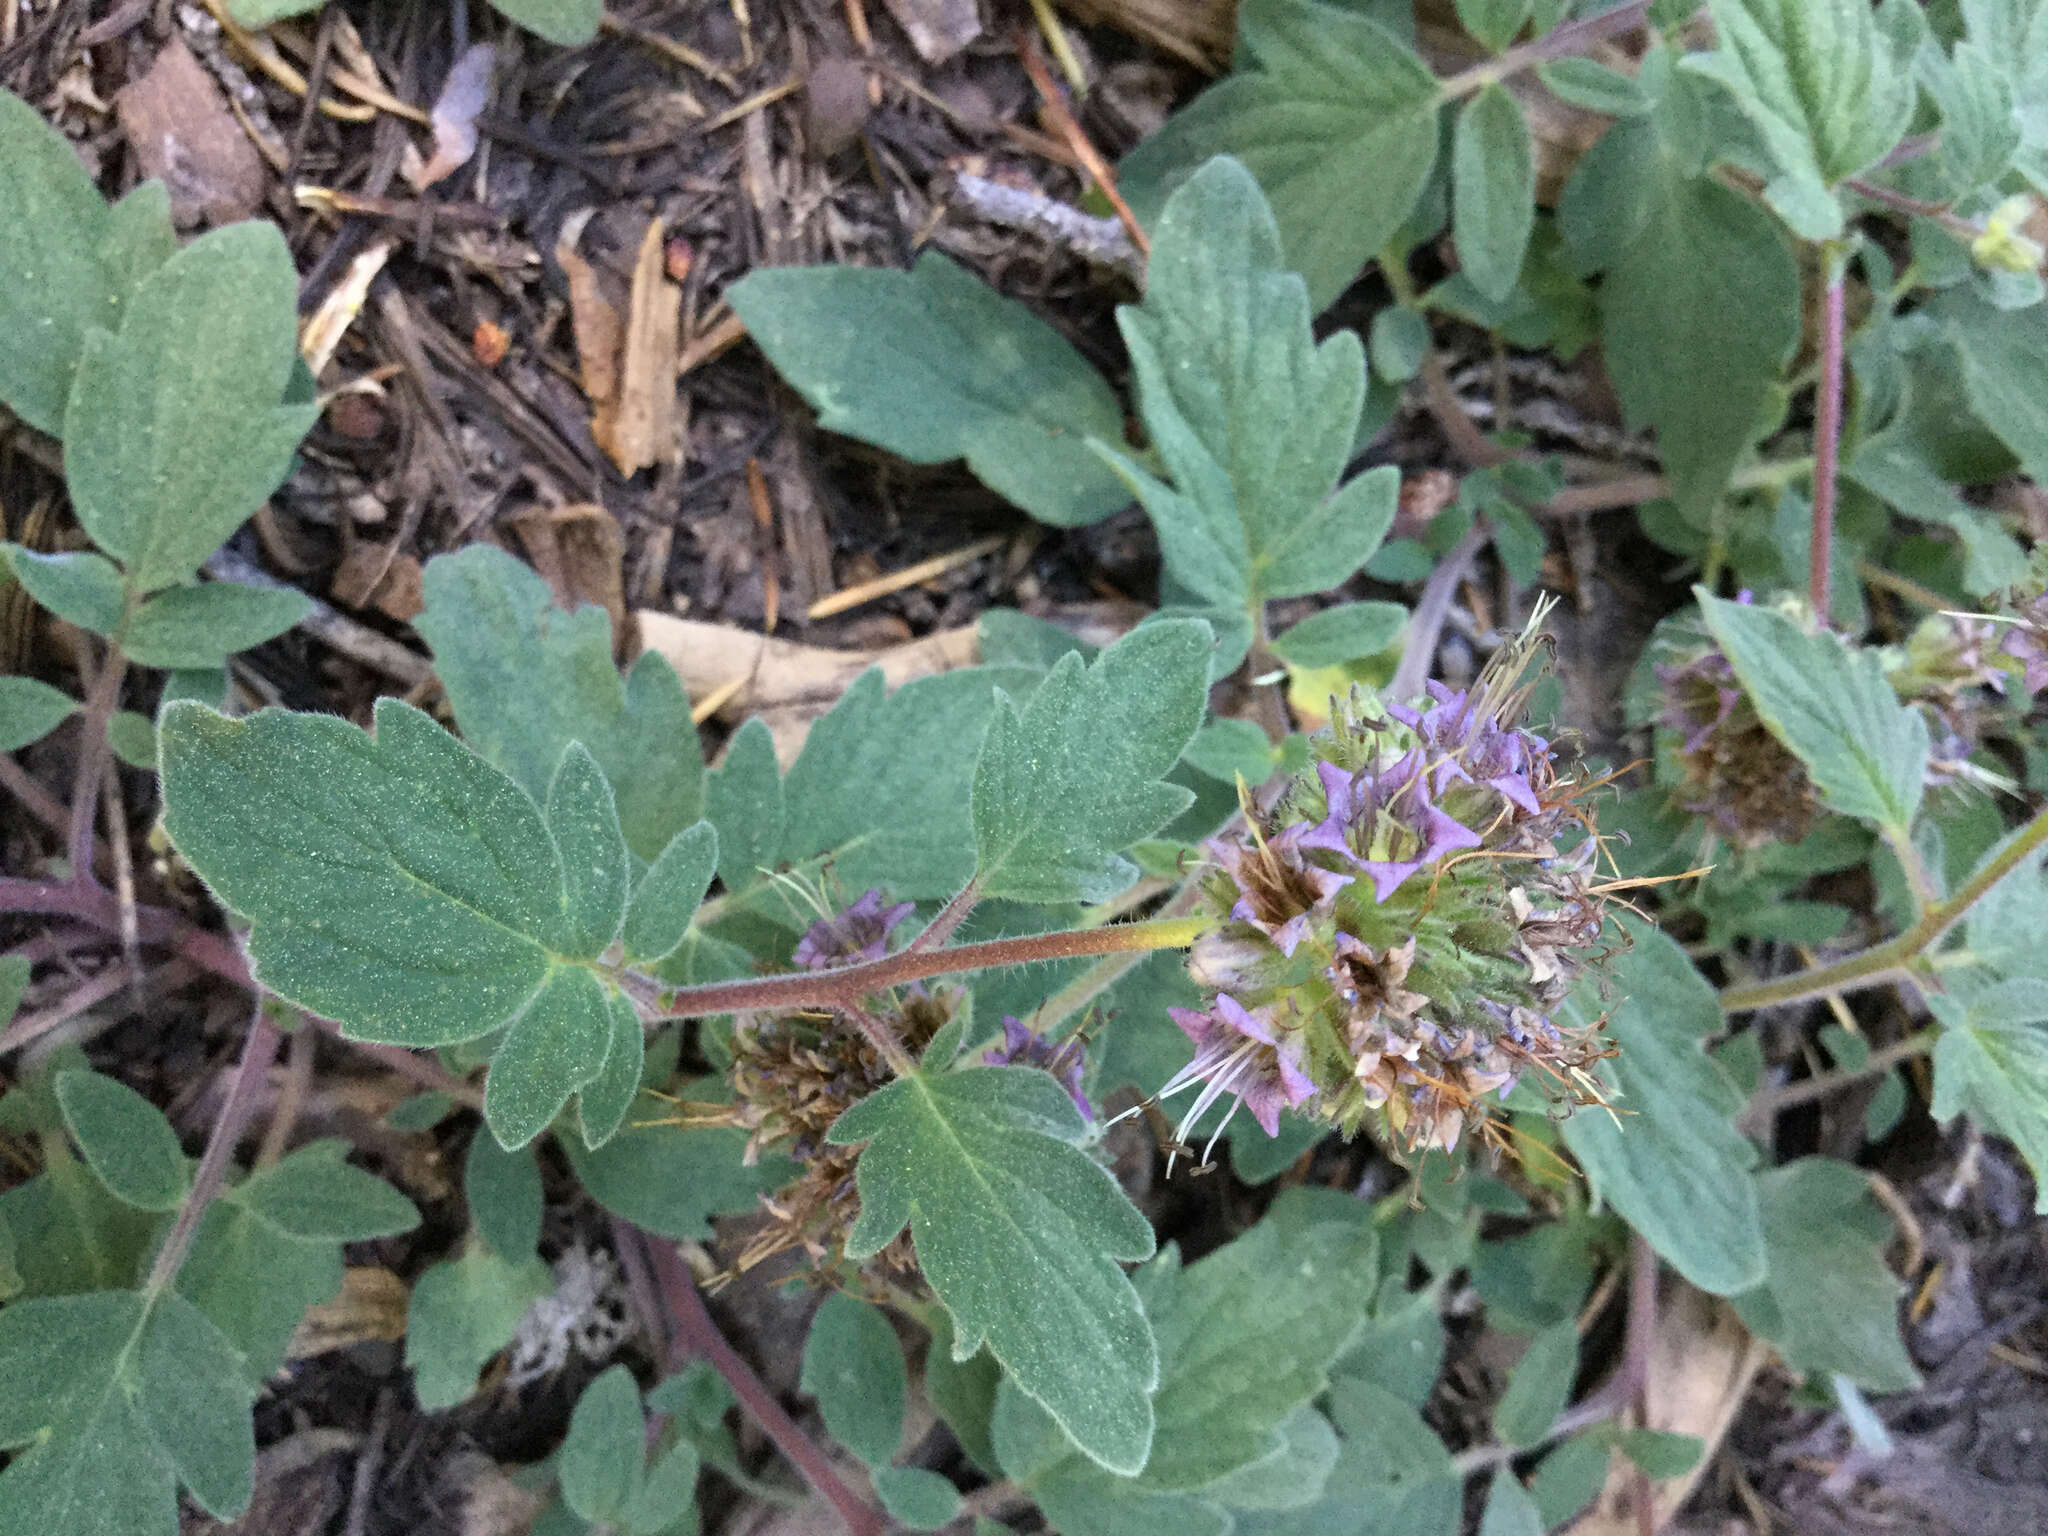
<point>179,125</point>
<point>787,684</point>
<point>323,329</point>
<point>373,576</point>
<point>628,365</point>
<point>580,551</point>
<point>937,29</point>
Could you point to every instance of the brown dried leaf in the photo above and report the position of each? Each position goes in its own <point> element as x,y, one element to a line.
<point>183,134</point>
<point>592,316</point>
<point>373,576</point>
<point>464,95</point>
<point>372,1305</point>
<point>580,552</point>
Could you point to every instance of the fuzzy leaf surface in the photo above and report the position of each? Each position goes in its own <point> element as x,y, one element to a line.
<point>29,710</point>
<point>53,225</point>
<point>313,1195</point>
<point>127,1142</point>
<point>525,679</point>
<point>672,1179</point>
<point>565,23</point>
<point>1253,419</point>
<point>1992,1061</point>
<point>176,431</point>
<point>463,1312</point>
<point>1694,348</point>
<point>1493,191</point>
<point>932,364</point>
<point>667,897</point>
<point>1829,1303</point>
<point>397,883</point>
<point>601,1461</point>
<point>853,1366</point>
<point>200,626</point>
<point>81,588</point>
<point>1832,708</point>
<point>1074,777</point>
<point>1678,1170</point>
<point>1020,1233</point>
<point>1333,114</point>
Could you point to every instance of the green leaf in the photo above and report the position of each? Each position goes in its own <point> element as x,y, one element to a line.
<point>525,679</point>
<point>963,1392</point>
<point>1335,116</point>
<point>314,1195</point>
<point>261,13</point>
<point>566,23</point>
<point>90,1466</point>
<point>1539,1386</point>
<point>558,1044</point>
<point>1081,1499</point>
<point>174,433</point>
<point>127,1142</point>
<point>1586,83</point>
<point>1832,708</point>
<point>463,1312</point>
<point>70,1234</point>
<point>667,1494</point>
<point>1828,1302</point>
<point>1254,419</point>
<point>80,588</point>
<point>53,226</point>
<point>29,711</point>
<point>583,820</point>
<point>1676,1169</point>
<point>744,802</point>
<point>1493,22</point>
<point>1569,1479</point>
<point>199,626</point>
<point>1510,1511</point>
<point>673,1180</point>
<point>1892,468</point>
<point>1493,190</point>
<point>917,1499</point>
<point>2002,355</point>
<point>191,1393</point>
<point>1980,131</point>
<point>1824,86</point>
<point>603,1102</point>
<point>1992,1061</point>
<point>931,364</point>
<point>398,884</point>
<point>881,790</point>
<point>140,238</point>
<point>1018,1231</point>
<point>133,739</point>
<point>1230,750</point>
<point>503,1191</point>
<point>1348,632</point>
<point>1290,1478</point>
<point>1075,777</point>
<point>1014,639</point>
<point>1397,342</point>
<point>1660,1453</point>
<point>601,1461</point>
<point>15,971</point>
<point>256,1284</point>
<point>667,897</point>
<point>1693,352</point>
<point>421,1112</point>
<point>853,1366</point>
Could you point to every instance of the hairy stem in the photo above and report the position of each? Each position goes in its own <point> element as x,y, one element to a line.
<point>846,986</point>
<point>1827,437</point>
<point>1573,37</point>
<point>1883,962</point>
<point>259,1050</point>
<point>696,1333</point>
<point>950,917</point>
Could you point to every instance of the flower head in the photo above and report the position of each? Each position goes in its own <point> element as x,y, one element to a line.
<point>858,934</point>
<point>1239,1054</point>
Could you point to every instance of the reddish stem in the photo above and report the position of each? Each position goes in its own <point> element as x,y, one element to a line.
<point>92,755</point>
<point>1827,443</point>
<point>696,1333</point>
<point>259,1050</point>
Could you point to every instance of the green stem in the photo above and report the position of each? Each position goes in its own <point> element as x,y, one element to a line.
<point>847,985</point>
<point>1883,962</point>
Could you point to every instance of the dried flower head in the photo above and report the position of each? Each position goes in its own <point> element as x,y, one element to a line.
<point>1733,771</point>
<point>1393,941</point>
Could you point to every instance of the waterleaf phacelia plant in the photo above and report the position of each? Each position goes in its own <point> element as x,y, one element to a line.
<point>947,1004</point>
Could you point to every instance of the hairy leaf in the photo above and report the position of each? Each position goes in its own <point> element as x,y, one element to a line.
<point>313,1195</point>
<point>583,819</point>
<point>1072,779</point>
<point>199,626</point>
<point>1335,116</point>
<point>600,1463</point>
<point>80,588</point>
<point>175,431</point>
<point>504,1196</point>
<point>672,1180</point>
<point>932,365</point>
<point>525,679</point>
<point>667,896</point>
<point>463,1312</point>
<point>1677,1169</point>
<point>1253,419</point>
<point>853,1366</point>
<point>1493,191</point>
<point>565,23</point>
<point>127,1142</point>
<point>557,1044</point>
<point>1829,1303</point>
<point>916,1499</point>
<point>1019,1233</point>
<point>1832,708</point>
<point>29,710</point>
<point>1539,1386</point>
<point>1992,1061</point>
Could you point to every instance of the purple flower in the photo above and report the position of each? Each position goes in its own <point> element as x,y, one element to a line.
<point>1279,892</point>
<point>1025,1047</point>
<point>1239,1053</point>
<point>858,934</point>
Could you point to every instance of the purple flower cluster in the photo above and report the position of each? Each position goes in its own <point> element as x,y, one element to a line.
<point>1240,1053</point>
<point>1024,1047</point>
<point>859,934</point>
